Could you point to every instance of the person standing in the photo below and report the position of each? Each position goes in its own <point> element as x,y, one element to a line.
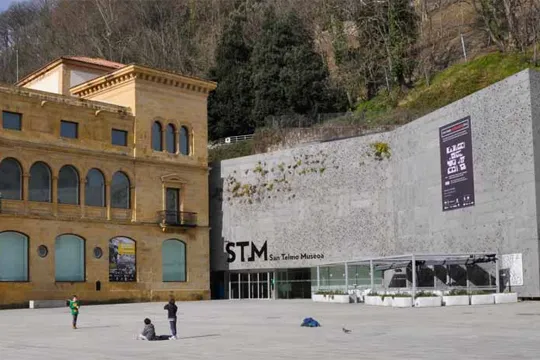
<point>171,314</point>
<point>74,306</point>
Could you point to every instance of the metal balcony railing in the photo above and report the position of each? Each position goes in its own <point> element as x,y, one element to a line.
<point>177,218</point>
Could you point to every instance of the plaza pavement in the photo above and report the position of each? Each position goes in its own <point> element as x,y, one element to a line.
<point>271,330</point>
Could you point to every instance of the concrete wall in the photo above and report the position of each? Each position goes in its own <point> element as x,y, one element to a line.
<point>359,206</point>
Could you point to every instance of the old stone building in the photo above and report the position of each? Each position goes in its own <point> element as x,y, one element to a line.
<point>103,176</point>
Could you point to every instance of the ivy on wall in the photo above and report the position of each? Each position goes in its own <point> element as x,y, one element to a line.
<point>271,181</point>
<point>265,181</point>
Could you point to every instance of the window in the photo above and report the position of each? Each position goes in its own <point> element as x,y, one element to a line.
<point>170,139</point>
<point>13,256</point>
<point>95,188</point>
<point>119,137</point>
<point>184,141</point>
<point>68,186</point>
<point>69,258</point>
<point>10,179</point>
<point>40,182</point>
<point>69,129</point>
<point>173,255</point>
<point>11,121</point>
<point>120,188</point>
<point>156,137</point>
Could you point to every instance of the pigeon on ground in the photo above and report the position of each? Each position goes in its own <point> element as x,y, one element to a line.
<point>346,331</point>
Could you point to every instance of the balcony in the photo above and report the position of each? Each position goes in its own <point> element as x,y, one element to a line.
<point>177,219</point>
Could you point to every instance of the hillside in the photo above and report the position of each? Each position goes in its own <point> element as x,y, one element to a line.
<point>387,61</point>
<point>397,108</point>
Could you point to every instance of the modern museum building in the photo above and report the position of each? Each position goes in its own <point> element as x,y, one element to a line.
<point>461,180</point>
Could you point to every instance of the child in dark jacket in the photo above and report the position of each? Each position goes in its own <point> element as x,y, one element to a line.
<point>171,315</point>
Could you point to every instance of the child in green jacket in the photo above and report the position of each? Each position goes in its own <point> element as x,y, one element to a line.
<point>74,306</point>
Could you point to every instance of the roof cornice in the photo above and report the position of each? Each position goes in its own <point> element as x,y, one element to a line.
<point>131,72</point>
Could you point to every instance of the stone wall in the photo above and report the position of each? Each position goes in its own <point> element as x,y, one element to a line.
<point>359,206</point>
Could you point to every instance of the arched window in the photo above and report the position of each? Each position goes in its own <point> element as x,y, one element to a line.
<point>184,140</point>
<point>13,256</point>
<point>68,185</point>
<point>11,179</point>
<point>173,257</point>
<point>69,258</point>
<point>95,188</point>
<point>120,187</point>
<point>122,260</point>
<point>156,137</point>
<point>40,182</point>
<point>171,139</point>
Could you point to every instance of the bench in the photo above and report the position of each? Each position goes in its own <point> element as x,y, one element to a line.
<point>42,304</point>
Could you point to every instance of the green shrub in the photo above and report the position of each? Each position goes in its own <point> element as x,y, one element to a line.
<point>457,292</point>
<point>424,294</point>
<point>330,292</point>
<point>480,292</point>
<point>402,295</point>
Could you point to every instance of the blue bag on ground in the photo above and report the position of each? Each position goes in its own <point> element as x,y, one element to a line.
<point>310,322</point>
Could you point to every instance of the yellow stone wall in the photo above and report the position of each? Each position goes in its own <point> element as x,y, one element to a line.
<point>149,172</point>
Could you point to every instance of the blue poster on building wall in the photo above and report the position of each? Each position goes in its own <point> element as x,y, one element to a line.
<point>457,178</point>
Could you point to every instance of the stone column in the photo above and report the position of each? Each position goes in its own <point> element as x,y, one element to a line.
<point>54,194</point>
<point>164,139</point>
<point>82,196</point>
<point>25,191</point>
<point>132,203</point>
<point>108,194</point>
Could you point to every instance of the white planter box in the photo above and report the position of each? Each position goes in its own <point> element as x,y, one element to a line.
<point>340,299</point>
<point>41,304</point>
<point>488,299</point>
<point>373,300</point>
<point>387,301</point>
<point>402,302</point>
<point>459,300</point>
<point>506,298</point>
<point>432,301</point>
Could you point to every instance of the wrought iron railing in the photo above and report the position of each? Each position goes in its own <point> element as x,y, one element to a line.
<point>177,218</point>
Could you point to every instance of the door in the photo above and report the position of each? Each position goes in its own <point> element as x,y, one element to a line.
<point>172,206</point>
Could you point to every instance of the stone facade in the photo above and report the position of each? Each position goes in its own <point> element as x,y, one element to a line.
<point>132,106</point>
<point>334,201</point>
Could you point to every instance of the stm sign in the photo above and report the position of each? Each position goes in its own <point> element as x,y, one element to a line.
<point>252,251</point>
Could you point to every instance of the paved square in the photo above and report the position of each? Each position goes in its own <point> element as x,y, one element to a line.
<point>271,330</point>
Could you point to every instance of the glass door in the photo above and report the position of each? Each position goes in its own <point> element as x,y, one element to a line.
<point>172,206</point>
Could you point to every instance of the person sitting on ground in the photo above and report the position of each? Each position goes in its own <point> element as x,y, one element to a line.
<point>149,332</point>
